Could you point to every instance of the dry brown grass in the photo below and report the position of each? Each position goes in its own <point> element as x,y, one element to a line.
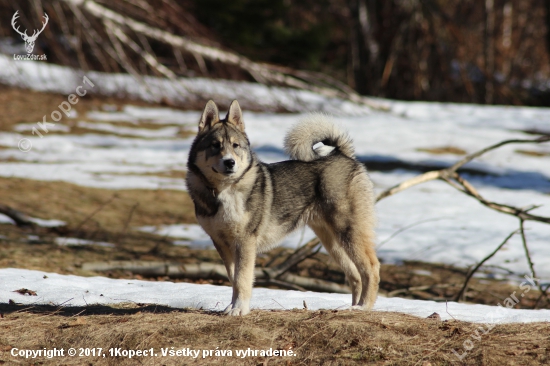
<point>75,129</point>
<point>317,337</point>
<point>28,106</point>
<point>73,204</point>
<point>537,154</point>
<point>443,150</point>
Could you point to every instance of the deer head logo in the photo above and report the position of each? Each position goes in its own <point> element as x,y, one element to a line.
<point>29,41</point>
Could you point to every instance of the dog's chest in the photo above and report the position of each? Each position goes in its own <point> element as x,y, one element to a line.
<point>230,220</point>
<point>231,213</point>
<point>232,206</point>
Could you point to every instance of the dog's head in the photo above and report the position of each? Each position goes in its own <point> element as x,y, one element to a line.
<point>221,150</point>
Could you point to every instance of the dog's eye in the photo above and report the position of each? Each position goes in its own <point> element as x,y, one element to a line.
<point>235,145</point>
<point>216,145</point>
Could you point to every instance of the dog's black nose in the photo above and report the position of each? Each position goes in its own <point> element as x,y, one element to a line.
<point>229,163</point>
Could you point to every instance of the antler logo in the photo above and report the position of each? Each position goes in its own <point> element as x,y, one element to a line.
<point>29,41</point>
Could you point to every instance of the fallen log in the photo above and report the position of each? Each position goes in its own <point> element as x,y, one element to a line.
<point>18,217</point>
<point>203,270</point>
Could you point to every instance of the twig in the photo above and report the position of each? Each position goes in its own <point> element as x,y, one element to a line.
<point>279,304</point>
<point>95,212</point>
<point>408,227</point>
<point>471,157</point>
<point>298,256</point>
<point>471,273</point>
<point>447,309</point>
<point>529,261</point>
<point>520,213</point>
<point>128,219</point>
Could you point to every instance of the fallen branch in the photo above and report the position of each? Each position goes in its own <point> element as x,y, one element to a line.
<point>451,176</point>
<point>18,217</point>
<point>215,272</point>
<point>418,288</point>
<point>426,177</point>
<point>261,72</point>
<point>521,213</point>
<point>450,171</point>
<point>448,174</point>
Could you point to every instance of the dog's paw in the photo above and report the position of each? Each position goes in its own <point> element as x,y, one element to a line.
<point>358,307</point>
<point>238,312</point>
<point>233,310</point>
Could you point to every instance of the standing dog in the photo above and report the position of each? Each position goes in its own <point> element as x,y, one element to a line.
<point>247,206</point>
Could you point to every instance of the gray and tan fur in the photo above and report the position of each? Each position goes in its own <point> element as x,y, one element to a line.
<point>247,206</point>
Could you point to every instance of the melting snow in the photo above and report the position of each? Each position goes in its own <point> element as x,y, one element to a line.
<point>65,290</point>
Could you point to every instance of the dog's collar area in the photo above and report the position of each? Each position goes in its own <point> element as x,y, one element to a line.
<point>201,176</point>
<point>211,189</point>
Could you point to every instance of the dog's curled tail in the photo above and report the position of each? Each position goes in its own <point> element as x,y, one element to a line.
<point>302,141</point>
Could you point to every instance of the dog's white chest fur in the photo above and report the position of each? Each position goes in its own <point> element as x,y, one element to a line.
<point>230,216</point>
<point>232,206</point>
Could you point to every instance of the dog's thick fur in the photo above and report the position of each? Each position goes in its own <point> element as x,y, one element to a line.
<point>247,206</point>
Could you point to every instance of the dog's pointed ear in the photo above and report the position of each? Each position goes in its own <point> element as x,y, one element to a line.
<point>235,115</point>
<point>210,116</point>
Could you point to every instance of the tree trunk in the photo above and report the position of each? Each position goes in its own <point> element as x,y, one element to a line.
<point>364,47</point>
<point>547,9</point>
<point>489,50</point>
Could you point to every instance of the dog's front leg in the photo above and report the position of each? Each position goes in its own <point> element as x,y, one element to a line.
<point>245,258</point>
<point>226,254</point>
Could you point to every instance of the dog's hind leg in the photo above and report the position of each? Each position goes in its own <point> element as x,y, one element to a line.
<point>338,253</point>
<point>227,257</point>
<point>245,259</point>
<point>360,248</point>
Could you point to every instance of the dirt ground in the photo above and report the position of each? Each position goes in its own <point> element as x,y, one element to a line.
<point>316,337</point>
